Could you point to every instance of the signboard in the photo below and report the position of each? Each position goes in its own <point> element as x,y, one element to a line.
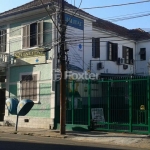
<point>76,47</point>
<point>74,32</point>
<point>24,57</point>
<point>97,114</point>
<point>74,22</point>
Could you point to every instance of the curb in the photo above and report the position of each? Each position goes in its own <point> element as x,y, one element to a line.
<point>34,134</point>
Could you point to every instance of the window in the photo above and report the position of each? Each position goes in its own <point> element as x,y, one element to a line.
<point>29,87</point>
<point>112,51</point>
<point>128,55</point>
<point>33,35</point>
<point>96,47</point>
<point>142,53</point>
<point>3,36</point>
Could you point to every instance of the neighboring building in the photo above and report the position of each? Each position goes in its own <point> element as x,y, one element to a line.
<point>27,32</point>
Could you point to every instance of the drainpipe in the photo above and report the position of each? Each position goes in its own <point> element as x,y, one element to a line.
<point>134,64</point>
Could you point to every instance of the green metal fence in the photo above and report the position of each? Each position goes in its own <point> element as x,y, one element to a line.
<point>116,104</point>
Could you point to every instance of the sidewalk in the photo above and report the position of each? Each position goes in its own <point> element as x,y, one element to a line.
<point>122,139</point>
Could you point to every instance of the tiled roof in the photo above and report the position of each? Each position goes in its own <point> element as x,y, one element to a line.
<point>135,34</point>
<point>37,3</point>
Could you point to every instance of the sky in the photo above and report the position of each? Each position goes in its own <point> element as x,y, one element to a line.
<point>103,13</point>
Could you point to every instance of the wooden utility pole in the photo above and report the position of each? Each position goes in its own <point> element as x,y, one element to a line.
<point>62,69</point>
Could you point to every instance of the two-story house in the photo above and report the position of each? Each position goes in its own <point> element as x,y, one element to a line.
<point>30,39</point>
<point>30,42</point>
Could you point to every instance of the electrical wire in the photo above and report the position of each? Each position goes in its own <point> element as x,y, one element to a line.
<point>116,5</point>
<point>50,16</point>
<point>26,25</point>
<point>129,17</point>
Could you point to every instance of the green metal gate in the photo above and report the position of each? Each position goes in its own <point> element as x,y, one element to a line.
<point>116,104</point>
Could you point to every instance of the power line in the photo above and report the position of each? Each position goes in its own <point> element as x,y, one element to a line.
<point>50,16</point>
<point>116,5</point>
<point>113,17</point>
<point>129,17</point>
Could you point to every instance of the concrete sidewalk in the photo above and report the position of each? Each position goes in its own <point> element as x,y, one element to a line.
<point>122,139</point>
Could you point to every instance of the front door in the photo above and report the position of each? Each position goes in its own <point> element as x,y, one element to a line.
<point>2,104</point>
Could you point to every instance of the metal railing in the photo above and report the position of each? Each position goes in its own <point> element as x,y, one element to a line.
<point>116,104</point>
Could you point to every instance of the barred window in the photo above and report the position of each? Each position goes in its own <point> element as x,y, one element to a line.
<point>29,87</point>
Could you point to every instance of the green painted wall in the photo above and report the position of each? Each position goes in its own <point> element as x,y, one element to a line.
<point>16,28</point>
<point>15,44</point>
<point>41,109</point>
<point>3,27</point>
<point>13,90</point>
<point>44,70</point>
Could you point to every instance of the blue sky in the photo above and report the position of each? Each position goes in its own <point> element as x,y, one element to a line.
<point>142,22</point>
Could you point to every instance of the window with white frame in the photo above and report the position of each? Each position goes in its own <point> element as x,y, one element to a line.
<point>29,87</point>
<point>33,35</point>
<point>112,49</point>
<point>3,38</point>
<point>128,55</point>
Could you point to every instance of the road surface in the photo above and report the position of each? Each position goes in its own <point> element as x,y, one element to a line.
<point>26,142</point>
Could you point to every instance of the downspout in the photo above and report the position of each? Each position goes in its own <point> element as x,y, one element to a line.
<point>134,64</point>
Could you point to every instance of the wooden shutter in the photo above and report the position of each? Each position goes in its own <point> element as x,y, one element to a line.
<point>3,38</point>
<point>124,52</point>
<point>97,47</point>
<point>40,33</point>
<point>108,50</point>
<point>131,55</point>
<point>114,52</point>
<point>93,48</point>
<point>26,37</point>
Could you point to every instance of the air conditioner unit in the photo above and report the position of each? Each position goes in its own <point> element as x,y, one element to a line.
<point>100,66</point>
<point>120,61</point>
<point>125,66</point>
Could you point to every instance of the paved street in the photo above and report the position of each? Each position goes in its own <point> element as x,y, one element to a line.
<point>25,142</point>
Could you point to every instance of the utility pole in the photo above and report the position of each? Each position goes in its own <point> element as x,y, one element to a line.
<point>62,69</point>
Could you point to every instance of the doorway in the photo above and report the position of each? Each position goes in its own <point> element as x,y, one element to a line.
<point>2,104</point>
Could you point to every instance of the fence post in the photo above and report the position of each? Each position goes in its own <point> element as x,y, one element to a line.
<point>148,98</point>
<point>56,120</point>
<point>89,103</point>
<point>130,105</point>
<point>108,105</point>
<point>73,83</point>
